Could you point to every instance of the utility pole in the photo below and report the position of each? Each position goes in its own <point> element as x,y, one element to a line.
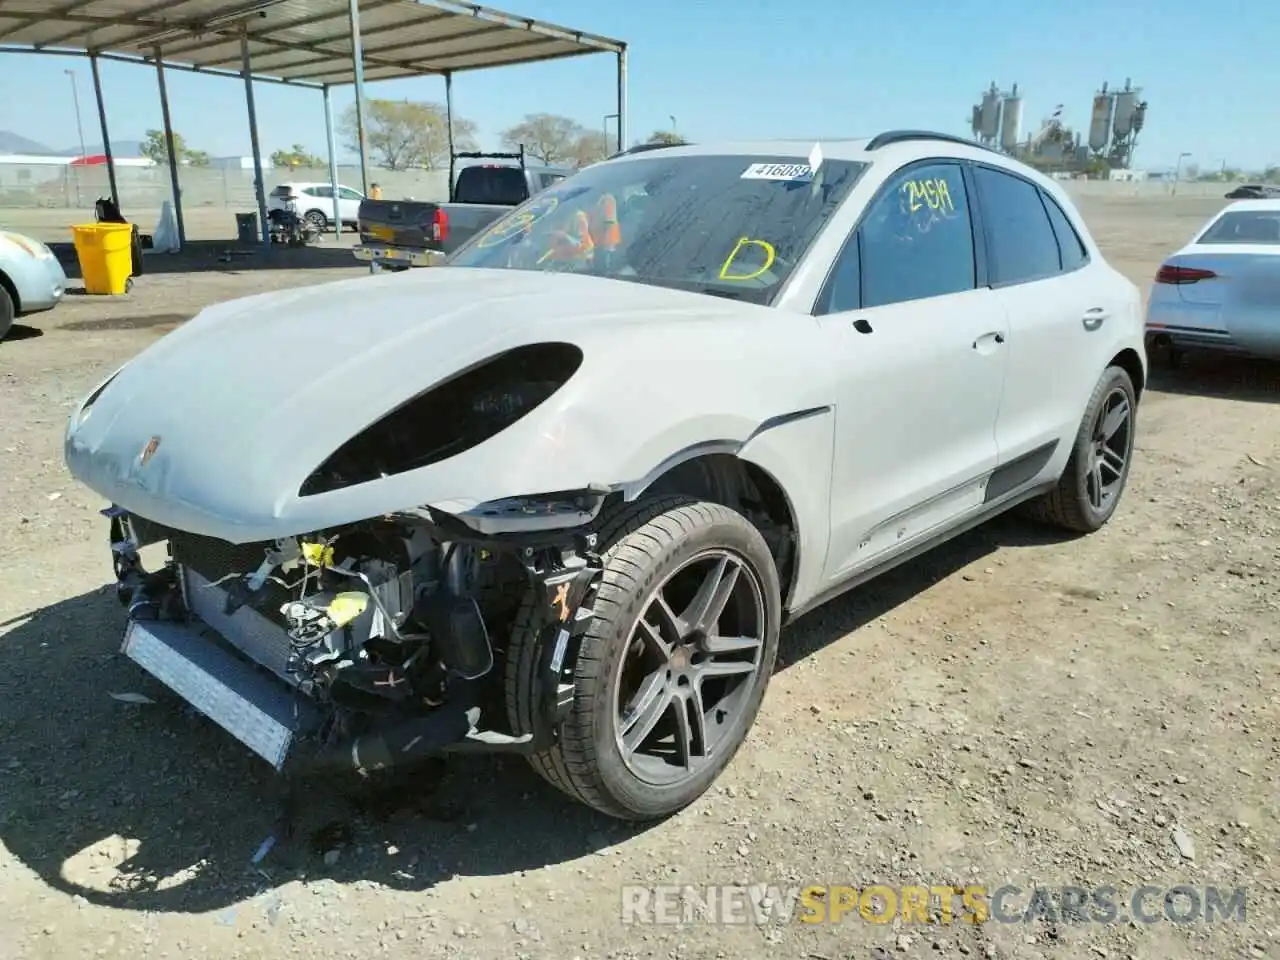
<point>75,99</point>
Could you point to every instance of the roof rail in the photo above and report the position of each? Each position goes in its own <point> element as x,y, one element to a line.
<point>645,148</point>
<point>902,136</point>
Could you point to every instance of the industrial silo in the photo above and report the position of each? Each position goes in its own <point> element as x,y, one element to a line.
<point>1126,105</point>
<point>990,128</point>
<point>1011,122</point>
<point>1139,117</point>
<point>1100,120</point>
<point>975,122</point>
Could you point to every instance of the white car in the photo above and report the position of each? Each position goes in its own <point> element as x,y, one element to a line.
<point>31,278</point>
<point>314,202</point>
<point>559,495</point>
<point>1221,292</point>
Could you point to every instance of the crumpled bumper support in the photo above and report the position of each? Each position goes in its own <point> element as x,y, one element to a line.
<point>282,725</point>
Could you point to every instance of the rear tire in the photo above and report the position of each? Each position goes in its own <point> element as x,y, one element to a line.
<point>646,547</point>
<point>317,220</point>
<point>1095,476</point>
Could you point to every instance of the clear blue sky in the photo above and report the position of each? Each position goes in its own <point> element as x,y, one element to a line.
<point>747,68</point>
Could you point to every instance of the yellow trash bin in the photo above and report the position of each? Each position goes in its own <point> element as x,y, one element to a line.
<point>105,252</point>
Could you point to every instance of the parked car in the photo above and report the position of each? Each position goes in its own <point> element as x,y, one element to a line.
<point>398,234</point>
<point>1221,292</point>
<point>31,278</point>
<point>559,496</point>
<point>1254,191</point>
<point>315,203</point>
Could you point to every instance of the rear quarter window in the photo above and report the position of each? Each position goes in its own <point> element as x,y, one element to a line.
<point>1070,246</point>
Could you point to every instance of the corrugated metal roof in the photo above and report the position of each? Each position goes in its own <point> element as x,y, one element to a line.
<point>295,41</point>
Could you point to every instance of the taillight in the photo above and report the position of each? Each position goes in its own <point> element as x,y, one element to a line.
<point>1174,274</point>
<point>439,225</point>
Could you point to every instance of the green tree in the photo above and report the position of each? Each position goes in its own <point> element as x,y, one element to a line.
<point>404,134</point>
<point>591,147</point>
<point>669,137</point>
<point>548,137</point>
<point>296,156</point>
<point>155,149</point>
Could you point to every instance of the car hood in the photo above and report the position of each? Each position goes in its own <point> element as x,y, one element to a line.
<point>245,400</point>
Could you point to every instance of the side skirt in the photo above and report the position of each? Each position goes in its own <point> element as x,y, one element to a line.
<point>991,509</point>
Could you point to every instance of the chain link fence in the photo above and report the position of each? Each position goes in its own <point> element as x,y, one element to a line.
<point>51,188</point>
<point>46,199</point>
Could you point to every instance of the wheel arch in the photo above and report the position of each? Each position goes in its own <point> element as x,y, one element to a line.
<point>721,476</point>
<point>1129,361</point>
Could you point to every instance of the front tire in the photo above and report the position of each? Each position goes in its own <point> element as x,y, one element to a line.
<point>8,311</point>
<point>673,666</point>
<point>1090,487</point>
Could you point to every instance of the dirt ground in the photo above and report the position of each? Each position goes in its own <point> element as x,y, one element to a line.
<point>1012,709</point>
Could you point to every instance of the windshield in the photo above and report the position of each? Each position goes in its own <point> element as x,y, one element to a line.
<point>732,226</point>
<point>1244,226</point>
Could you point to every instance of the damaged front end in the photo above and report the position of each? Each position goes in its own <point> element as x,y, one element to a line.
<point>372,645</point>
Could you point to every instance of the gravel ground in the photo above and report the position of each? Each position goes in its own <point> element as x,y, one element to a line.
<point>1012,709</point>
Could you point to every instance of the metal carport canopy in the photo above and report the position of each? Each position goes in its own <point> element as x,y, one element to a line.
<point>305,43</point>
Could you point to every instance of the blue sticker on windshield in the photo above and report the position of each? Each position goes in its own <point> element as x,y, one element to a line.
<point>791,172</point>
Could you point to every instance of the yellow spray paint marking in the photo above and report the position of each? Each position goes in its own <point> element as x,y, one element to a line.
<point>519,223</point>
<point>769,256</point>
<point>932,193</point>
<point>345,607</point>
<point>317,554</point>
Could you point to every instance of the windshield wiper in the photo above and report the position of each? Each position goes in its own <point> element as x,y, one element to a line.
<point>727,294</point>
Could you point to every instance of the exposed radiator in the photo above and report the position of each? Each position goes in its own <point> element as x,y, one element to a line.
<point>256,636</point>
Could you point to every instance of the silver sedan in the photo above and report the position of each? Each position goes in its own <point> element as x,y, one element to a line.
<point>31,278</point>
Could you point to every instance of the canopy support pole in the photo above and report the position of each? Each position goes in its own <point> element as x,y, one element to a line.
<point>448,116</point>
<point>259,189</point>
<point>332,144</point>
<point>102,122</point>
<point>170,150</point>
<point>357,64</point>
<point>622,99</point>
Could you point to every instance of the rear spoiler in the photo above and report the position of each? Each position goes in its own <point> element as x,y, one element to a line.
<point>645,148</point>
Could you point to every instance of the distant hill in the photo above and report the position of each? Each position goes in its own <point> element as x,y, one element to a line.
<point>121,148</point>
<point>12,143</point>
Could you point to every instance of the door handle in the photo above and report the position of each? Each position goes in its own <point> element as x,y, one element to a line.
<point>1094,318</point>
<point>987,339</point>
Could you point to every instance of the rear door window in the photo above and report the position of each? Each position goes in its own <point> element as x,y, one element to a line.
<point>1021,239</point>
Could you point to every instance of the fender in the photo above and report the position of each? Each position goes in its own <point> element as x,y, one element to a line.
<point>795,449</point>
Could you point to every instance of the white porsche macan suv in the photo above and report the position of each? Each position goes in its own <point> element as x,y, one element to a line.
<point>560,495</point>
